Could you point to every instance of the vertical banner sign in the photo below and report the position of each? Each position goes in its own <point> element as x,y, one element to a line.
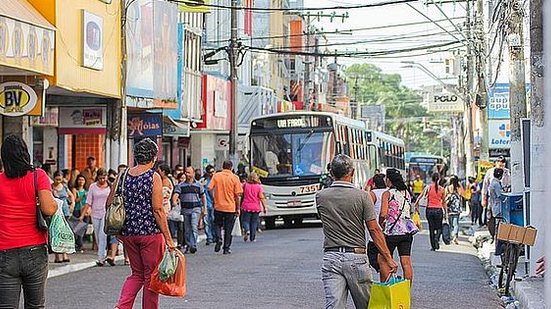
<point>92,50</point>
<point>16,99</point>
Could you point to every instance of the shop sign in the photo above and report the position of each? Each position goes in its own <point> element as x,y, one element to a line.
<point>222,142</point>
<point>171,129</point>
<point>92,41</point>
<point>82,117</point>
<point>445,102</point>
<point>495,153</point>
<point>145,124</point>
<point>16,99</point>
<point>27,47</point>
<point>499,133</point>
<point>50,118</point>
<point>197,6</point>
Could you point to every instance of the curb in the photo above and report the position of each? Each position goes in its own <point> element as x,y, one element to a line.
<point>63,270</point>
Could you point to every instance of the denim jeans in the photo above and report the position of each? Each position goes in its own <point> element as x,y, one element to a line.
<point>101,237</point>
<point>250,223</point>
<point>25,268</point>
<point>209,224</point>
<point>191,225</point>
<point>224,220</point>
<point>344,272</point>
<point>177,231</point>
<point>434,217</point>
<point>453,220</point>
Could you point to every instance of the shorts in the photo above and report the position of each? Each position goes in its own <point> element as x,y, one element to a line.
<point>402,242</point>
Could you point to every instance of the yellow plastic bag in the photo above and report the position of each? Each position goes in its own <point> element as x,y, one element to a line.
<point>394,294</point>
<point>416,217</point>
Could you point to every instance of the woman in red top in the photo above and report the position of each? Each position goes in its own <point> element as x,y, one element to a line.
<point>23,251</point>
<point>436,209</point>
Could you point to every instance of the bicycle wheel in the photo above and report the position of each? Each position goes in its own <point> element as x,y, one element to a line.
<point>512,266</point>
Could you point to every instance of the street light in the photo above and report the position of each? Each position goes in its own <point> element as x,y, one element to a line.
<point>413,64</point>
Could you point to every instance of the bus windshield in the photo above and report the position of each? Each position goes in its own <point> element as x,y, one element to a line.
<point>289,154</point>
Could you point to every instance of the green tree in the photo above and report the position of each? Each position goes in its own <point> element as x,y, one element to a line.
<point>404,112</point>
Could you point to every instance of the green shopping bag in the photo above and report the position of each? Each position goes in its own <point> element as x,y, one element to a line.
<point>60,234</point>
<point>393,294</point>
<point>168,265</point>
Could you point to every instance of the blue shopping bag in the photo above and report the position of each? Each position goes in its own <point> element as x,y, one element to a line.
<point>393,294</point>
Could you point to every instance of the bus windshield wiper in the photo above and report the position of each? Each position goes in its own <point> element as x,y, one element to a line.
<point>305,141</point>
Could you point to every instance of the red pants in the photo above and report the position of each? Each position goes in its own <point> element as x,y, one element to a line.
<point>144,253</point>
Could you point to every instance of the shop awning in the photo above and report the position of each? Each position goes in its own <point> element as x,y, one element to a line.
<point>173,127</point>
<point>32,38</point>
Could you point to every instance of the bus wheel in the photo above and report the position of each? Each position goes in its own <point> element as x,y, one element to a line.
<point>269,223</point>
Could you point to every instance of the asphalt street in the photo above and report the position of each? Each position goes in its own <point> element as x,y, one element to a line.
<point>282,270</point>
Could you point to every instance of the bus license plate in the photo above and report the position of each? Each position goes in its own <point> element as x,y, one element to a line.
<point>294,203</point>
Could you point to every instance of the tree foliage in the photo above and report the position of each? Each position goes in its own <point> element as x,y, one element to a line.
<point>403,109</point>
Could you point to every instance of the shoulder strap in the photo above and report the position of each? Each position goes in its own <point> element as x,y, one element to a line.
<point>400,214</point>
<point>37,200</point>
<point>123,182</point>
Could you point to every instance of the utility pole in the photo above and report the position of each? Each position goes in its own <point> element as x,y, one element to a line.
<point>539,187</point>
<point>233,50</point>
<point>334,88</point>
<point>482,97</point>
<point>306,94</point>
<point>547,140</point>
<point>317,62</point>
<point>468,116</point>
<point>517,92</point>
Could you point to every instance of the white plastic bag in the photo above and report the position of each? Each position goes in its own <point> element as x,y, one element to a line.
<point>236,231</point>
<point>61,237</point>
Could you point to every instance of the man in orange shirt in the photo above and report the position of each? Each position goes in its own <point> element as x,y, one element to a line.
<point>225,189</point>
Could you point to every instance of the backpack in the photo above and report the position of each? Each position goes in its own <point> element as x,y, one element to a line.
<point>453,201</point>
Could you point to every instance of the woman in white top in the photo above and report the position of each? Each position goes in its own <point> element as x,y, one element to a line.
<point>376,195</point>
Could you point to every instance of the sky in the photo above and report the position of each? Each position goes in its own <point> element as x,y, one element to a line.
<point>425,34</point>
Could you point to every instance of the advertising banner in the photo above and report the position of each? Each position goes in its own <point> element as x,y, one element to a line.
<point>82,120</point>
<point>499,133</point>
<point>27,47</point>
<point>165,53</point>
<point>180,111</point>
<point>197,6</point>
<point>139,48</point>
<point>498,107</point>
<point>92,41</point>
<point>145,124</point>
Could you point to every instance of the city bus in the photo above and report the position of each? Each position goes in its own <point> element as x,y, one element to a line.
<point>425,165</point>
<point>291,152</point>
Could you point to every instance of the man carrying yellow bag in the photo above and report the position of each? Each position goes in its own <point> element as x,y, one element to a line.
<point>344,211</point>
<point>393,294</point>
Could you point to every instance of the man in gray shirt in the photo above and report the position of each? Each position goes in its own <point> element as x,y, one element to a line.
<point>345,211</point>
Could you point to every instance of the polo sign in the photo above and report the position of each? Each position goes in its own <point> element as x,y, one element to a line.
<point>16,99</point>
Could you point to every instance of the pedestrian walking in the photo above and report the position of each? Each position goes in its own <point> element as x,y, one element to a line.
<point>377,197</point>
<point>90,172</point>
<point>436,209</point>
<point>23,246</point>
<point>418,185</point>
<point>345,211</point>
<point>454,200</point>
<point>226,191</point>
<point>396,222</point>
<point>168,186</point>
<point>62,192</point>
<point>80,193</point>
<point>209,217</point>
<point>191,196</point>
<point>96,201</point>
<point>145,233</point>
<point>253,203</point>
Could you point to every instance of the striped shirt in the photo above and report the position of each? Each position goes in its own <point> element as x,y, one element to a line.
<point>190,194</point>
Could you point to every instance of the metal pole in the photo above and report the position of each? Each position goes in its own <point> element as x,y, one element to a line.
<point>468,117</point>
<point>538,184</point>
<point>547,141</point>
<point>306,94</point>
<point>517,93</point>
<point>233,80</point>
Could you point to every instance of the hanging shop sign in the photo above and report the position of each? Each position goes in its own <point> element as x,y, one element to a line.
<point>145,124</point>
<point>17,99</point>
<point>92,41</point>
<point>82,120</point>
<point>499,133</point>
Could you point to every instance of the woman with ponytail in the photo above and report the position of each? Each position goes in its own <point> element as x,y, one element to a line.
<point>436,209</point>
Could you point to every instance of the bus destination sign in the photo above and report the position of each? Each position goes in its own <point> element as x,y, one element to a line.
<point>306,121</point>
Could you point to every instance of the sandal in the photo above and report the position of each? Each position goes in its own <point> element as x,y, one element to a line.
<point>110,261</point>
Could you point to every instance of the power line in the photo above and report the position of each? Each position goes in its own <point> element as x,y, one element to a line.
<point>338,7</point>
<point>431,20</point>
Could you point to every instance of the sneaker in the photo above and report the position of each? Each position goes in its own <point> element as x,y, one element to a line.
<point>193,250</point>
<point>227,251</point>
<point>246,236</point>
<point>217,247</point>
<point>99,263</point>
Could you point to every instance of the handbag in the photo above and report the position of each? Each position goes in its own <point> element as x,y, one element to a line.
<point>393,294</point>
<point>424,198</point>
<point>40,220</point>
<point>411,227</point>
<point>115,214</point>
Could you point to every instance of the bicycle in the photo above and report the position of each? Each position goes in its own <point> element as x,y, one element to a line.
<point>509,261</point>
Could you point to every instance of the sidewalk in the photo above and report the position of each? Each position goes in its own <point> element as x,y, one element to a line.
<point>82,261</point>
<point>527,292</point>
